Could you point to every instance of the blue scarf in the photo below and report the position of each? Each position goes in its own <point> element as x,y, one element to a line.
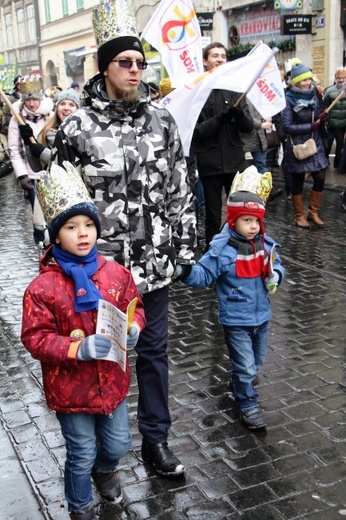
<point>302,98</point>
<point>81,269</point>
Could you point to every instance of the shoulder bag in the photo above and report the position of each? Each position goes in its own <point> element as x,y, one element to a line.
<point>304,150</point>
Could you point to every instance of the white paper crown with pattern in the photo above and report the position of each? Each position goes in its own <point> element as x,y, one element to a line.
<point>253,181</point>
<point>115,30</point>
<point>59,189</point>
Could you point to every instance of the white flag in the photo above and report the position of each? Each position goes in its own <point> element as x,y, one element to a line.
<point>174,31</point>
<point>267,94</point>
<point>242,75</point>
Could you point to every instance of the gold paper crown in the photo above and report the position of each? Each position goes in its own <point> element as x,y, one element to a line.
<point>59,190</point>
<point>30,85</point>
<point>113,20</point>
<point>340,72</point>
<point>253,181</point>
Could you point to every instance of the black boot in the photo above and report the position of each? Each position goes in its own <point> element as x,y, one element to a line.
<point>162,459</point>
<point>107,485</point>
<point>90,515</point>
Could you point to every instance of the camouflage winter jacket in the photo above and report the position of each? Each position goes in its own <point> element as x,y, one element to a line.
<point>132,161</point>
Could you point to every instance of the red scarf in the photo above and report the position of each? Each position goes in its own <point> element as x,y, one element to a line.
<point>252,258</point>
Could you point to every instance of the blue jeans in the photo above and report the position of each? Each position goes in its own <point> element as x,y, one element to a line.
<point>260,161</point>
<point>92,441</point>
<point>247,347</point>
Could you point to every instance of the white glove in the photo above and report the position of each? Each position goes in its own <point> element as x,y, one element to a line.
<point>272,282</point>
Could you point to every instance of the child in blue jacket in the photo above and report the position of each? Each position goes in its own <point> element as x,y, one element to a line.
<point>243,262</point>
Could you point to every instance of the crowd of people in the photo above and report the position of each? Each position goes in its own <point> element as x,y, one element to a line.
<point>108,180</point>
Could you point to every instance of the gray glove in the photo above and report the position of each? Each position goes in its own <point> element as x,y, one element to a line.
<point>94,347</point>
<point>132,337</point>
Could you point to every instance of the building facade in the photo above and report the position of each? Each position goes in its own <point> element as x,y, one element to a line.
<point>55,39</point>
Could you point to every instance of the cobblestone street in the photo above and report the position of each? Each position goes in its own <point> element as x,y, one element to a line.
<point>294,470</point>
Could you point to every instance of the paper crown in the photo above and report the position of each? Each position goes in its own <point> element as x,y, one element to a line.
<point>30,86</point>
<point>112,20</point>
<point>253,181</point>
<point>60,189</point>
<point>340,72</point>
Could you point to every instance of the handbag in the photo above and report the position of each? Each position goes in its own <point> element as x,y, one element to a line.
<point>273,139</point>
<point>304,150</point>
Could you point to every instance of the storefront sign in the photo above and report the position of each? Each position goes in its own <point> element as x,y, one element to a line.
<point>296,24</point>
<point>252,26</point>
<point>205,21</point>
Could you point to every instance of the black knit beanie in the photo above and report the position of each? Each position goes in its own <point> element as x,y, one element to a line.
<point>84,208</point>
<point>112,48</point>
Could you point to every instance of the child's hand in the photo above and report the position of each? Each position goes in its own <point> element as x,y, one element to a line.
<point>272,282</point>
<point>94,347</point>
<point>181,272</point>
<point>132,337</point>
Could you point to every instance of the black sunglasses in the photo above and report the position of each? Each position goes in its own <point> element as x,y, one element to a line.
<point>127,64</point>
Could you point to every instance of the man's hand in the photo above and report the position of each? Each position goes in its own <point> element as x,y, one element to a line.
<point>232,113</point>
<point>315,125</point>
<point>94,347</point>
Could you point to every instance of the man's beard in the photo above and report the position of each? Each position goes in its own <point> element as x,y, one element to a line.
<point>129,98</point>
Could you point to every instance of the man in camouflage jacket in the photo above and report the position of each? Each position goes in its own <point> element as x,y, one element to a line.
<point>131,159</point>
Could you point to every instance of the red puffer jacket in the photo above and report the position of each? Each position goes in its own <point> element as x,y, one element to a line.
<point>49,318</point>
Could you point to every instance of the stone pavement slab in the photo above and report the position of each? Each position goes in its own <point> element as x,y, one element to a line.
<point>294,469</point>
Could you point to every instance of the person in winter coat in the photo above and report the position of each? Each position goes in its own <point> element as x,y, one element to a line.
<point>39,152</point>
<point>240,261</point>
<point>217,144</point>
<point>337,114</point>
<point>60,308</point>
<point>34,110</point>
<point>301,120</point>
<point>13,96</point>
<point>130,155</point>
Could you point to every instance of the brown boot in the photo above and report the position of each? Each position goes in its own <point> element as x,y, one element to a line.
<point>300,220</point>
<point>315,201</point>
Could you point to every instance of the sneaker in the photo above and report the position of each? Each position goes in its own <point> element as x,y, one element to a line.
<point>108,485</point>
<point>253,419</point>
<point>162,459</point>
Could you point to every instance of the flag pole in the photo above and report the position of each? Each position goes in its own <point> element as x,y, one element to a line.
<point>240,99</point>
<point>14,111</point>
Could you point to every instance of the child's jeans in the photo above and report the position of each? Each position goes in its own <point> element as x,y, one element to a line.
<point>247,347</point>
<point>92,441</point>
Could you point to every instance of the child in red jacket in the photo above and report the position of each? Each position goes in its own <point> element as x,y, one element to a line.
<point>60,309</point>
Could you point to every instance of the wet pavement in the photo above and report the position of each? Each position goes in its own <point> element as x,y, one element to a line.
<point>294,469</point>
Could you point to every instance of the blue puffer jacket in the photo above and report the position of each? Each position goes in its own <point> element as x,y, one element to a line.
<point>242,301</point>
<point>296,124</point>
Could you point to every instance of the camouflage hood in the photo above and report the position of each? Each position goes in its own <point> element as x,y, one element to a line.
<point>95,95</point>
